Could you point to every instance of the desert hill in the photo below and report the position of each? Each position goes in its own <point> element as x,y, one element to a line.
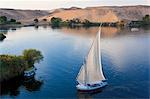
<point>22,15</point>
<point>102,14</point>
<point>93,14</point>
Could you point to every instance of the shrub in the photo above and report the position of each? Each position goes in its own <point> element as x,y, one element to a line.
<point>86,22</point>
<point>146,20</point>
<point>12,66</point>
<point>44,19</point>
<point>3,19</point>
<point>2,36</point>
<point>13,20</point>
<point>36,20</point>
<point>56,21</point>
<point>18,22</point>
<point>32,56</point>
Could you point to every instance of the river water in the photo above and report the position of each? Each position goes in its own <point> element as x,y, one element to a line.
<point>125,61</point>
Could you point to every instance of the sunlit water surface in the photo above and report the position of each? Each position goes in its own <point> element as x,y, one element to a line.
<point>125,60</point>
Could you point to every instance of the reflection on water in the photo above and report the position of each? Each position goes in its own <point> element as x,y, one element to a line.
<point>89,95</point>
<point>32,84</point>
<point>12,87</point>
<point>84,96</point>
<point>107,31</point>
<point>125,61</point>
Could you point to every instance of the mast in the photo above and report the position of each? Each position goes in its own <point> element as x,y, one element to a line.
<point>85,79</point>
<point>99,35</point>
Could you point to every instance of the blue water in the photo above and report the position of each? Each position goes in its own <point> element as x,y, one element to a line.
<point>125,60</point>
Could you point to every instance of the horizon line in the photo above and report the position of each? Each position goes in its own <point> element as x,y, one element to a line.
<point>75,7</point>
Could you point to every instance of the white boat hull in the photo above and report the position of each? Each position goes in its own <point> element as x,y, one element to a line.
<point>30,73</point>
<point>82,87</point>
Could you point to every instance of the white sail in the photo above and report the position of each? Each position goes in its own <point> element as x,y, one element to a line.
<point>81,75</point>
<point>91,71</point>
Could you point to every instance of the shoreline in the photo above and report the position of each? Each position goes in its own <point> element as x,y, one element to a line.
<point>76,25</point>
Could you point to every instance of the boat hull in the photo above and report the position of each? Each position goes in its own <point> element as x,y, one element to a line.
<point>30,73</point>
<point>86,88</point>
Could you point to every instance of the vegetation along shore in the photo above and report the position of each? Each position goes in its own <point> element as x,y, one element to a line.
<point>130,16</point>
<point>58,22</point>
<point>13,66</point>
<point>2,36</point>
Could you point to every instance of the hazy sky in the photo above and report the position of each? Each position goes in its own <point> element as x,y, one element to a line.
<point>52,4</point>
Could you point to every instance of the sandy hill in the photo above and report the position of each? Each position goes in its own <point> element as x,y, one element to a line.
<point>102,14</point>
<point>93,14</point>
<point>22,15</point>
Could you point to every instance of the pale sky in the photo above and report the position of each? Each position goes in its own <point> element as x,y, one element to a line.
<point>52,4</point>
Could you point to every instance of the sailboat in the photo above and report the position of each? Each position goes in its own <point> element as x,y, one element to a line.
<point>90,76</point>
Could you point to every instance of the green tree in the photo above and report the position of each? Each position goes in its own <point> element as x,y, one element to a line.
<point>146,20</point>
<point>44,19</point>
<point>3,19</point>
<point>86,22</point>
<point>56,21</point>
<point>76,20</point>
<point>36,20</point>
<point>2,36</point>
<point>13,20</point>
<point>121,23</point>
<point>18,22</point>
<point>32,56</point>
<point>11,66</point>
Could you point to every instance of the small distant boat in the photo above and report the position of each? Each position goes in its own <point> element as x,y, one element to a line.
<point>91,75</point>
<point>30,72</point>
<point>134,29</point>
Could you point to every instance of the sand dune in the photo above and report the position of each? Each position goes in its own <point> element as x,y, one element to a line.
<point>93,14</point>
<point>103,14</point>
